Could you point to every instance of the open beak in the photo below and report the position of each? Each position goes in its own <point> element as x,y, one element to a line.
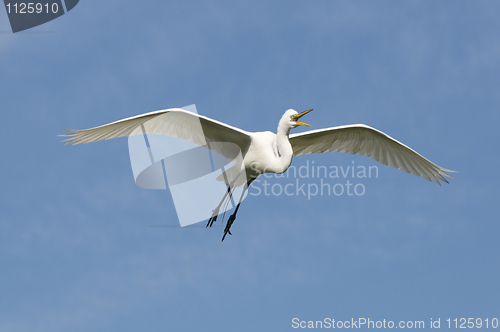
<point>301,115</point>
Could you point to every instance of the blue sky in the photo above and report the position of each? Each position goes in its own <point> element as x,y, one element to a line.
<point>76,248</point>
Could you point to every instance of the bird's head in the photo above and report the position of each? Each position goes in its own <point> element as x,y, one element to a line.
<point>291,119</point>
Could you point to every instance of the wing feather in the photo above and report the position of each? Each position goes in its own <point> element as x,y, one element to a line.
<point>173,122</point>
<point>367,141</point>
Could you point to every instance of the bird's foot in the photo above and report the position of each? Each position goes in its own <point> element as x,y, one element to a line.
<point>228,226</point>
<point>213,219</point>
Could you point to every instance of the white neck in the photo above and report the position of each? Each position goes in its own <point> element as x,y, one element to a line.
<point>283,150</point>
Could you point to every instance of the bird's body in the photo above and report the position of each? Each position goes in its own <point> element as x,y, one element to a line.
<point>265,152</point>
<point>268,153</point>
<point>262,156</point>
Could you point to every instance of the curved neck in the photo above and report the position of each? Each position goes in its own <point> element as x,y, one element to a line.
<point>283,150</point>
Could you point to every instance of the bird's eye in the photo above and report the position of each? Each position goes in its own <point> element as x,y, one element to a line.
<point>292,117</point>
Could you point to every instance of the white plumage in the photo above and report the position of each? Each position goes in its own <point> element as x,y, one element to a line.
<point>260,147</point>
<point>267,152</point>
<point>367,141</point>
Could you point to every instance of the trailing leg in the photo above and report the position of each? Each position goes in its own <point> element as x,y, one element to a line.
<point>230,189</point>
<point>233,216</point>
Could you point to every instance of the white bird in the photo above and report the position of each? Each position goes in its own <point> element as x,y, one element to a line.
<point>266,152</point>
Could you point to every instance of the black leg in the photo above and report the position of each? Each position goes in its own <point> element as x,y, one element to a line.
<point>233,216</point>
<point>215,212</point>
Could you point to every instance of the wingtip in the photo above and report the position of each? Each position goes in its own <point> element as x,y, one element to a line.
<point>72,133</point>
<point>70,140</point>
<point>443,172</point>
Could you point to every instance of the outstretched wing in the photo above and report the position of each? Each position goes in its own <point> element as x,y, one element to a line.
<point>367,141</point>
<point>174,122</point>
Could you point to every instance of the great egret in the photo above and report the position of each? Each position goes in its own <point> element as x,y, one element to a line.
<point>266,152</point>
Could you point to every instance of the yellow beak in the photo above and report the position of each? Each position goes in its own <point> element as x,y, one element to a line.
<point>301,115</point>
